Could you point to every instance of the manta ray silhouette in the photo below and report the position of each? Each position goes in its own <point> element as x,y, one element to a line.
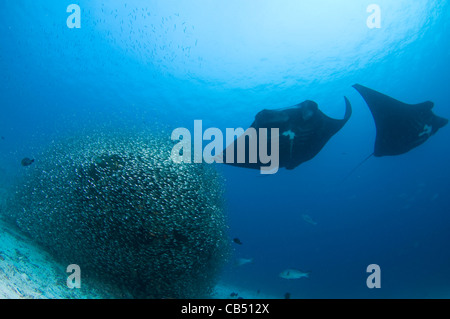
<point>304,129</point>
<point>303,132</point>
<point>400,126</point>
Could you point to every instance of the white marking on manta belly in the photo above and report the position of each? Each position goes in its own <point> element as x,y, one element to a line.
<point>290,134</point>
<point>427,129</point>
<point>291,138</point>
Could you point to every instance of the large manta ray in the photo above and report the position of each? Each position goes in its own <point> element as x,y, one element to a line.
<point>303,132</point>
<point>400,126</point>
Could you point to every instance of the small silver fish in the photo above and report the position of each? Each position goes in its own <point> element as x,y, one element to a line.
<point>308,219</point>
<point>294,274</point>
<point>243,261</point>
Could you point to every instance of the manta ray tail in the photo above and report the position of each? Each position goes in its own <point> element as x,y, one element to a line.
<point>357,166</point>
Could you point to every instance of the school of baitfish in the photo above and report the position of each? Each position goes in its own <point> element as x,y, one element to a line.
<point>117,206</point>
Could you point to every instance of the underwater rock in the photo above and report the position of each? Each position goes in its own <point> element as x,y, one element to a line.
<point>116,205</point>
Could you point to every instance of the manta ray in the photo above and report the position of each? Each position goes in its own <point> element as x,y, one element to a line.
<point>400,127</point>
<point>303,130</point>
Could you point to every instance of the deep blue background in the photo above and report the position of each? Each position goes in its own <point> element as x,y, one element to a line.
<point>167,63</point>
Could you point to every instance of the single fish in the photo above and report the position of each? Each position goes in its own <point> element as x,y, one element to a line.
<point>308,219</point>
<point>294,274</point>
<point>287,295</point>
<point>243,261</point>
<point>27,162</point>
<point>237,241</point>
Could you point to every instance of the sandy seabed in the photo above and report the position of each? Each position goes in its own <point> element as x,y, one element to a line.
<point>29,272</point>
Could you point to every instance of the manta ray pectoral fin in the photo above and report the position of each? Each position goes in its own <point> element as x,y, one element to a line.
<point>335,124</point>
<point>438,122</point>
<point>348,109</point>
<point>425,106</point>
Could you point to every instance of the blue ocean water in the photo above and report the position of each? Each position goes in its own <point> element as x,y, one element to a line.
<point>168,63</point>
